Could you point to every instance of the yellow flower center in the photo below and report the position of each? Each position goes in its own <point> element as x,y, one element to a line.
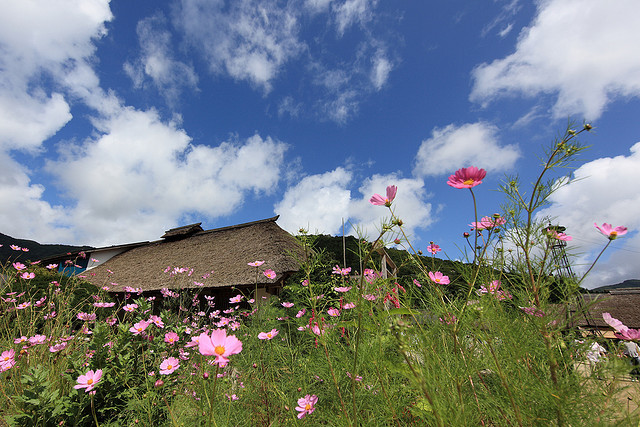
<point>468,182</point>
<point>6,358</point>
<point>269,335</point>
<point>89,381</point>
<point>307,407</point>
<point>613,233</point>
<point>169,367</point>
<point>219,350</point>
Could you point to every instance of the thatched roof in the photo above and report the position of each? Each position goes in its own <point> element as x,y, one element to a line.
<point>622,304</point>
<point>225,251</point>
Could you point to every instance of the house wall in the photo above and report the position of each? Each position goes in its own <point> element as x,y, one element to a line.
<point>102,256</point>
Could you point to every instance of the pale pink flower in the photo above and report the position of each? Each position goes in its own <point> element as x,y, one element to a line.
<point>287,304</point>
<point>369,297</point>
<point>610,232</point>
<point>19,266</point>
<point>378,200</point>
<point>171,338</point>
<point>415,282</point>
<point>306,405</point>
<point>57,347</point>
<point>341,271</point>
<point>37,339</point>
<point>20,340</point>
<point>169,365</point>
<point>467,177</point>
<point>301,313</point>
<point>87,317</point>
<point>439,278</point>
<point>342,289</point>
<point>156,320</point>
<point>558,235</point>
<point>219,345</point>
<point>622,332</point>
<point>270,273</point>
<point>616,324</point>
<point>104,304</point>
<point>23,305</point>
<point>349,306</point>
<point>130,307</point>
<point>334,312</point>
<point>7,360</point>
<point>236,299</point>
<point>52,266</point>
<point>268,335</point>
<point>27,276</point>
<point>139,327</point>
<point>15,248</point>
<point>89,380</point>
<point>255,263</point>
<point>193,343</point>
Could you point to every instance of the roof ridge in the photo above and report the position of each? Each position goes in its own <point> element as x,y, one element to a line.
<point>246,224</point>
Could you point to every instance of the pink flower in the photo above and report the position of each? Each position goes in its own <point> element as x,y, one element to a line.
<point>622,332</point>
<point>255,263</point>
<point>488,222</point>
<point>156,320</point>
<point>37,339</point>
<point>139,327</point>
<point>52,266</point>
<point>342,289</point>
<point>193,343</point>
<point>89,380</point>
<point>433,248</point>
<point>28,276</point>
<point>369,297</point>
<point>558,235</point>
<point>15,248</point>
<point>171,338</point>
<point>301,313</point>
<point>306,405</point>
<point>341,271</point>
<point>87,317</point>
<point>169,365</point>
<point>219,345</point>
<point>614,323</point>
<point>532,311</point>
<point>349,306</point>
<point>104,304</point>
<point>7,360</point>
<point>57,347</point>
<point>236,299</point>
<point>268,335</point>
<point>467,177</point>
<point>130,307</point>
<point>334,312</point>
<point>19,266</point>
<point>287,304</point>
<point>378,200</point>
<point>23,305</point>
<point>270,273</point>
<point>415,282</point>
<point>439,278</point>
<point>610,232</point>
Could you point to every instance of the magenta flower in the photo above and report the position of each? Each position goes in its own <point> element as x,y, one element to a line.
<point>89,380</point>
<point>341,271</point>
<point>268,335</point>
<point>301,313</point>
<point>236,299</point>
<point>439,278</point>
<point>169,365</point>
<point>532,311</point>
<point>342,289</point>
<point>558,235</point>
<point>19,266</point>
<point>7,360</point>
<point>130,307</point>
<point>349,306</point>
<point>219,345</point>
<point>433,248</point>
<point>467,177</point>
<point>378,200</point>
<point>306,405</point>
<point>171,338</point>
<point>610,232</point>
<point>156,320</point>
<point>270,273</point>
<point>87,317</point>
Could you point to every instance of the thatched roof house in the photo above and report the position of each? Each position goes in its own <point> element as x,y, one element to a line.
<point>622,304</point>
<point>210,259</point>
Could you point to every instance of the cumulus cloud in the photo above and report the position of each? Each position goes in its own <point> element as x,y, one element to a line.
<point>156,61</point>
<point>249,40</point>
<point>380,71</point>
<point>471,144</point>
<point>599,193</point>
<point>318,203</point>
<point>580,50</point>
<point>142,169</point>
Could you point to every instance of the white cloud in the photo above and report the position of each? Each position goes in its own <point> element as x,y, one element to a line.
<point>472,144</point>
<point>168,75</point>
<point>318,203</point>
<point>380,70</point>
<point>582,50</point>
<point>410,205</point>
<point>250,40</point>
<point>601,192</point>
<point>146,174</point>
<point>352,12</point>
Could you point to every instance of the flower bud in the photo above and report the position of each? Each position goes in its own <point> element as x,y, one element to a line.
<point>158,384</point>
<point>465,235</point>
<point>205,375</point>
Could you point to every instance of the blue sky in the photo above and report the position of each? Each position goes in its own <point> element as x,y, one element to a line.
<point>122,119</point>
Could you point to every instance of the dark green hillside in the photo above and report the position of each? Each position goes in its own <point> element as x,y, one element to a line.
<point>36,252</point>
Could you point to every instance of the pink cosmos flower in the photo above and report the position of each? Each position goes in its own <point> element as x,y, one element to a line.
<point>558,235</point>
<point>89,380</point>
<point>169,365</point>
<point>306,405</point>
<point>378,200</point>
<point>439,278</point>
<point>130,307</point>
<point>37,339</point>
<point>617,325</point>
<point>219,345</point>
<point>532,311</point>
<point>415,282</point>
<point>28,276</point>
<point>139,327</point>
<point>7,360</point>
<point>334,312</point>
<point>255,263</point>
<point>268,335</point>
<point>467,177</point>
<point>433,248</point>
<point>156,320</point>
<point>270,273</point>
<point>622,332</point>
<point>23,305</point>
<point>610,232</point>
<point>341,271</point>
<point>287,304</point>
<point>488,222</point>
<point>193,343</point>
<point>342,289</point>
<point>301,313</point>
<point>19,266</point>
<point>15,248</point>
<point>494,289</point>
<point>369,297</point>
<point>236,299</point>
<point>349,306</point>
<point>171,338</point>
<point>57,347</point>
